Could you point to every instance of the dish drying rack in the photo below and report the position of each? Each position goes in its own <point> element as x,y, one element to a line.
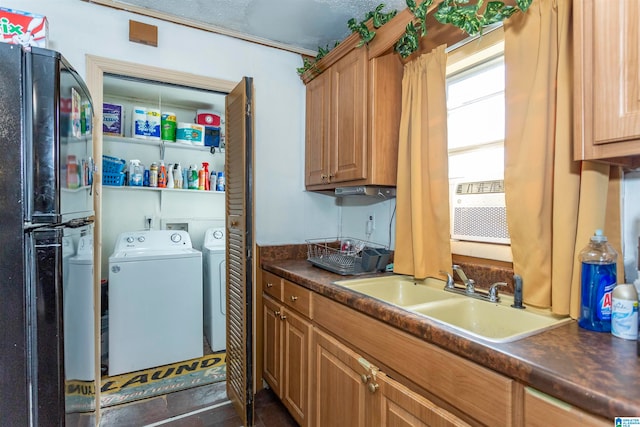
<point>346,255</point>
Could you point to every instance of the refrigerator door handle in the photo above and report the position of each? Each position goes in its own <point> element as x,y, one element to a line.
<point>47,371</point>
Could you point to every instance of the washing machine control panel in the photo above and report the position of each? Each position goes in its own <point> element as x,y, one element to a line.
<point>214,238</point>
<point>153,240</point>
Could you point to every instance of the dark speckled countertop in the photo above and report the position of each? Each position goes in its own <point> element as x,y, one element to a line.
<point>594,371</point>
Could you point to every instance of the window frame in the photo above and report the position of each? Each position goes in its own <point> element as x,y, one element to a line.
<point>460,59</point>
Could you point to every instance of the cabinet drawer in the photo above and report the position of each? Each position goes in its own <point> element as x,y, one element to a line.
<point>272,285</point>
<point>543,410</point>
<point>297,298</point>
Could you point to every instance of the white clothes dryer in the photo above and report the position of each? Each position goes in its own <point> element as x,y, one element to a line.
<point>214,282</point>
<point>155,300</point>
<point>79,349</point>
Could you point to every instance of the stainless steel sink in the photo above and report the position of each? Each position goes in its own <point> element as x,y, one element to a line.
<point>495,322</point>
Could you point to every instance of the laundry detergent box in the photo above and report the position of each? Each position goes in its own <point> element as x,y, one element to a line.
<point>112,119</point>
<point>23,28</point>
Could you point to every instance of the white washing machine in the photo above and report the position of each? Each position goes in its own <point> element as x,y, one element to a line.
<point>79,347</point>
<point>155,300</point>
<point>215,289</point>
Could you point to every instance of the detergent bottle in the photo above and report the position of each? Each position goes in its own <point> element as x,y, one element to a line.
<point>597,281</point>
<point>203,177</point>
<point>162,175</point>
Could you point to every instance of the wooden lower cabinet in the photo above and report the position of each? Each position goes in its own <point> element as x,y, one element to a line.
<point>271,343</point>
<point>402,407</point>
<point>348,390</point>
<point>542,410</point>
<point>313,359</point>
<point>339,395</point>
<point>286,347</point>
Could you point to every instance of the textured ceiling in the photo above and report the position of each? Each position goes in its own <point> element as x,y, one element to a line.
<point>302,24</point>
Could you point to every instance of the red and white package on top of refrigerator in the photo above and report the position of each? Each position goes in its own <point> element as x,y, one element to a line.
<point>24,28</point>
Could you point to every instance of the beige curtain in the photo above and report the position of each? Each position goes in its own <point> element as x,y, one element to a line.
<point>554,204</point>
<point>422,199</point>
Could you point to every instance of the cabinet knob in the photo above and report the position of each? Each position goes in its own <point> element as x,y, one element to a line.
<point>276,313</point>
<point>293,297</point>
<point>269,285</point>
<point>283,317</point>
<point>373,387</point>
<point>365,378</point>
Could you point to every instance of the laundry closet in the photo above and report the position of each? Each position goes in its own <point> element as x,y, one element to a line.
<point>162,246</point>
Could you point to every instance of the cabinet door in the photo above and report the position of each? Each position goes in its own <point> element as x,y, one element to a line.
<point>296,337</point>
<point>317,130</point>
<point>608,89</point>
<point>349,103</point>
<point>401,407</point>
<point>543,410</point>
<point>272,343</point>
<point>339,394</point>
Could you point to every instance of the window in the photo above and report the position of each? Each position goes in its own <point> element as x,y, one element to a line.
<point>476,123</point>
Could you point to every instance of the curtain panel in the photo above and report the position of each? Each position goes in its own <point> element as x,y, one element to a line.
<point>423,247</point>
<point>554,204</point>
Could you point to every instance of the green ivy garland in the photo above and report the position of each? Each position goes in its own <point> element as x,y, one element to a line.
<point>470,18</point>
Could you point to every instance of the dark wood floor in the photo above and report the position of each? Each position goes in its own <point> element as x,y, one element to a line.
<point>200,406</point>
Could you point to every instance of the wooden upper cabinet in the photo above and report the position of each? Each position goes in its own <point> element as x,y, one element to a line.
<point>607,81</point>
<point>353,116</point>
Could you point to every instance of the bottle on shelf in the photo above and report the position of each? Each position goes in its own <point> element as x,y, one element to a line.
<point>162,175</point>
<point>220,182</point>
<point>136,173</point>
<point>213,177</point>
<point>153,175</point>
<point>185,178</point>
<point>203,175</point>
<point>193,177</point>
<point>170,181</point>
<point>177,176</point>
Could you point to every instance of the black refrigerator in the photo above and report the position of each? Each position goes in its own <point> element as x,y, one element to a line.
<point>46,197</point>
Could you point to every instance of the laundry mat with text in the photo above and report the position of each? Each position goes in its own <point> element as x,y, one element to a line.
<point>147,383</point>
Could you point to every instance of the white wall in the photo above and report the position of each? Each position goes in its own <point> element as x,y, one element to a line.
<point>631,224</point>
<point>285,213</point>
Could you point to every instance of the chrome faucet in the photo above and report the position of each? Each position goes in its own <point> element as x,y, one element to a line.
<point>469,284</point>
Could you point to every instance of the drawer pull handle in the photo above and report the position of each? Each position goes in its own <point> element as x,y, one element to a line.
<point>269,285</point>
<point>293,297</point>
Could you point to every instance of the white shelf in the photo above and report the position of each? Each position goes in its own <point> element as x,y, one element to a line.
<point>159,189</point>
<point>156,143</point>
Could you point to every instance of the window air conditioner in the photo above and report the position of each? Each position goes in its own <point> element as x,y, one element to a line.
<point>478,212</point>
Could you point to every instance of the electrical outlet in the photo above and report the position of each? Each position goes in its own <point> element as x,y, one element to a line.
<point>370,223</point>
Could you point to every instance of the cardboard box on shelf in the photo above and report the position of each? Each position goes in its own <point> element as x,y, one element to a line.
<point>24,28</point>
<point>112,119</point>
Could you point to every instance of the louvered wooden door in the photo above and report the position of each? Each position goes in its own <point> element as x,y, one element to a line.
<point>239,251</point>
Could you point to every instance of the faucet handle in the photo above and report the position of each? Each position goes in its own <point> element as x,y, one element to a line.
<point>449,284</point>
<point>493,291</point>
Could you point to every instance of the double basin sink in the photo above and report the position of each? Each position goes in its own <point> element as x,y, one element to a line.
<point>495,322</point>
